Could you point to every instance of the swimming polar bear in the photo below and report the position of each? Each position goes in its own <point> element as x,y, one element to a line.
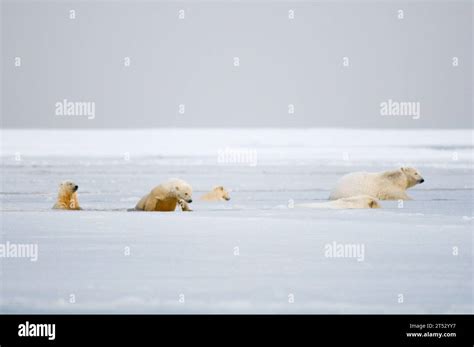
<point>67,196</point>
<point>388,185</point>
<point>216,194</point>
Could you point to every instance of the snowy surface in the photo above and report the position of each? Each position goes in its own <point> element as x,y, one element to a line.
<point>281,250</point>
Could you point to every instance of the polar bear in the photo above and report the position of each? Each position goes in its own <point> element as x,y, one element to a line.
<point>359,201</point>
<point>67,196</point>
<point>388,185</point>
<point>218,193</point>
<point>166,196</point>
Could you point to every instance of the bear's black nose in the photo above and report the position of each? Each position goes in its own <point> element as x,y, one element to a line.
<point>422,180</point>
<point>190,200</point>
<point>76,187</point>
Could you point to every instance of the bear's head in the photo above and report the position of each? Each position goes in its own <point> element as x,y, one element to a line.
<point>68,188</point>
<point>221,192</point>
<point>182,190</point>
<point>412,175</point>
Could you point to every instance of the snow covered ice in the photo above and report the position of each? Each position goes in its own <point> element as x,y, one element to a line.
<point>252,254</point>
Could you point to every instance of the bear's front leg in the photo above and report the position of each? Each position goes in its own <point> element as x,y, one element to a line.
<point>184,205</point>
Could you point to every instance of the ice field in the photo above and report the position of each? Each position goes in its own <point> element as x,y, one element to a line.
<point>253,254</point>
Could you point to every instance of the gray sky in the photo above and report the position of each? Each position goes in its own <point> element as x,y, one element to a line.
<point>191,62</point>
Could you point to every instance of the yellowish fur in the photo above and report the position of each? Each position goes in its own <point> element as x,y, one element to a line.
<point>358,202</point>
<point>216,194</point>
<point>67,197</point>
<point>388,185</point>
<point>166,196</point>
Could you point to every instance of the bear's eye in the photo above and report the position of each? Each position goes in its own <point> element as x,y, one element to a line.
<point>185,193</point>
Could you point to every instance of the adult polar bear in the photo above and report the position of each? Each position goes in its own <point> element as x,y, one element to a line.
<point>167,196</point>
<point>388,185</point>
<point>67,197</point>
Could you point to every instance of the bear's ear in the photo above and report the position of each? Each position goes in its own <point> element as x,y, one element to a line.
<point>403,169</point>
<point>220,188</point>
<point>177,188</point>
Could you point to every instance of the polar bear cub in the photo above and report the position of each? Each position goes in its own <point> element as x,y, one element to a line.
<point>388,185</point>
<point>167,196</point>
<point>218,193</point>
<point>67,196</point>
<point>359,201</point>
